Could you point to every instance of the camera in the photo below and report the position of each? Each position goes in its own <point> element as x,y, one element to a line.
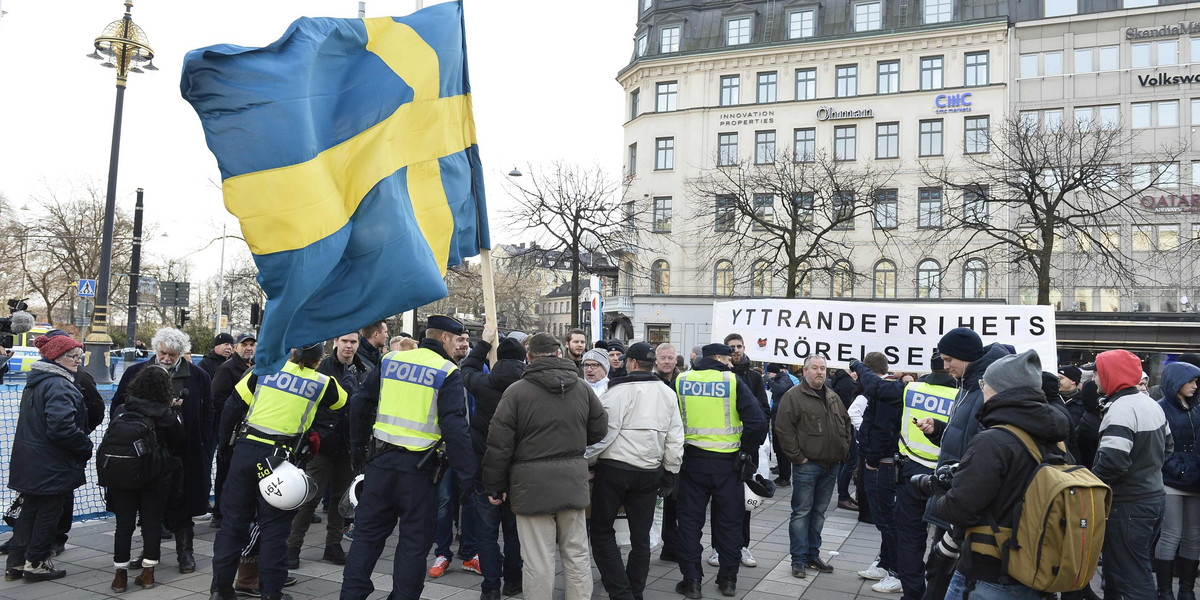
<point>19,322</point>
<point>938,482</point>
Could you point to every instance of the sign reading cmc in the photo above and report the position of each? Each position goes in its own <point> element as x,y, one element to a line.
<point>787,331</point>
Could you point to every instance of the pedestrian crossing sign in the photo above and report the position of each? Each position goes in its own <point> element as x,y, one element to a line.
<point>87,288</point>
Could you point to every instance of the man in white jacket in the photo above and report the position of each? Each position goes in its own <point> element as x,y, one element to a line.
<point>636,460</point>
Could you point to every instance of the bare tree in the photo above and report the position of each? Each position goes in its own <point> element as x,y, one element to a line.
<point>1069,181</point>
<point>577,213</point>
<point>790,215</point>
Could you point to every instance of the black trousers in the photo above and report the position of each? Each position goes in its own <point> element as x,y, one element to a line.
<point>670,525</point>
<point>128,505</point>
<point>224,453</point>
<point>33,535</point>
<point>65,521</point>
<point>725,492</point>
<point>243,505</point>
<point>613,488</point>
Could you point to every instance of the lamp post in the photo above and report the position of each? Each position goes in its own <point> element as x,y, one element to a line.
<point>135,282</point>
<point>122,46</point>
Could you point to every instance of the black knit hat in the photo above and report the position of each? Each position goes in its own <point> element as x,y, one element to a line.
<point>961,343</point>
<point>510,348</point>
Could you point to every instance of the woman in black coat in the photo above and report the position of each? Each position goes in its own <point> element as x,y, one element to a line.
<point>151,400</point>
<point>192,385</point>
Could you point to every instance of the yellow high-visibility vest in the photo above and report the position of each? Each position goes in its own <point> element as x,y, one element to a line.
<point>923,400</point>
<point>708,407</point>
<point>408,392</point>
<point>283,404</point>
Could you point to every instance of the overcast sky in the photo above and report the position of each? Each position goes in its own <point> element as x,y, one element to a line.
<point>542,75</point>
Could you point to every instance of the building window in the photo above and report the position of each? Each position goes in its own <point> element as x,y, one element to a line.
<point>764,147</point>
<point>931,73</point>
<point>976,137</point>
<point>731,90</point>
<point>1141,112</point>
<point>641,45</point>
<point>760,279</point>
<point>938,11</point>
<point>1168,237</point>
<point>1157,175</point>
<point>841,280</point>
<point>727,149</point>
<point>664,154</point>
<point>658,334</point>
<point>1052,63</point>
<point>1110,116</point>
<point>1138,3</point>
<point>1084,63</point>
<point>737,31</point>
<point>725,213</point>
<point>976,69</point>
<point>646,4</point>
<point>1058,8</point>
<point>929,208</point>
<point>1053,118</point>
<point>931,138</point>
<point>889,77</point>
<point>804,209</point>
<point>885,279</point>
<point>1029,65</point>
<point>975,205</point>
<point>803,281</point>
<point>1168,113</point>
<point>847,81</point>
<point>887,140</point>
<point>764,211</point>
<point>868,16</point>
<point>844,142</point>
<point>887,209</point>
<point>666,95</point>
<point>801,24</point>
<point>634,97</point>
<point>633,159</point>
<point>723,278</point>
<point>660,277</point>
<point>842,215</point>
<point>1155,114</point>
<point>766,87</point>
<point>806,84</point>
<point>929,279</point>
<point>975,279</point>
<point>1139,55</point>
<point>662,214</point>
<point>1194,43</point>
<point>1168,52</point>
<point>805,145</point>
<point>669,40</point>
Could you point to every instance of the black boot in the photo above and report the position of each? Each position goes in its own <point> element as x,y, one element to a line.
<point>1164,571</point>
<point>183,549</point>
<point>1187,578</point>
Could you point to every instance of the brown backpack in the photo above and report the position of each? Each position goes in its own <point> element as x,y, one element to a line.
<point>1053,543</point>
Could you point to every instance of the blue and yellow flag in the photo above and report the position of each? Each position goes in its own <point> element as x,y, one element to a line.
<point>347,151</point>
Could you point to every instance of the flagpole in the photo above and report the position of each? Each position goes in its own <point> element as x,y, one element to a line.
<point>489,297</point>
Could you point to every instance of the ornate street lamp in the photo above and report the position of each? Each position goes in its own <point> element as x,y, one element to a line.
<point>122,46</point>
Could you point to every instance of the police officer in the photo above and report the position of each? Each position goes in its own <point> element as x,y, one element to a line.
<point>925,401</point>
<point>421,402</point>
<point>721,419</point>
<point>280,408</point>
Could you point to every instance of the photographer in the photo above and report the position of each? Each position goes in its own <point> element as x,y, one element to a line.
<point>991,477</point>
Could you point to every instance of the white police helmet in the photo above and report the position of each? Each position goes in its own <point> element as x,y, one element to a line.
<point>350,499</point>
<point>758,491</point>
<point>283,485</point>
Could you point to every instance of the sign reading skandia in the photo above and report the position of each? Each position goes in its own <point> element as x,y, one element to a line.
<point>828,113</point>
<point>1172,203</point>
<point>1176,30</point>
<point>1165,79</point>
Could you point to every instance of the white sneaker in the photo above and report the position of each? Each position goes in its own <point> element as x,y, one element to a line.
<point>873,572</point>
<point>889,585</point>
<point>748,559</point>
<point>713,560</point>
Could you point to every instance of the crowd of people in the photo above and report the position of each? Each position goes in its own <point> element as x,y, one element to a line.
<point>535,448</point>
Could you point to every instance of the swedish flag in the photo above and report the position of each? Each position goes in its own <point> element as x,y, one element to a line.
<point>347,151</point>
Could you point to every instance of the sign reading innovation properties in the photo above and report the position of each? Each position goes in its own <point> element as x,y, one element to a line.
<point>787,331</point>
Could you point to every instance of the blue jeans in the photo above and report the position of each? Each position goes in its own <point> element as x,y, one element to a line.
<point>448,494</point>
<point>492,562</point>
<point>1129,538</point>
<point>991,591</point>
<point>846,472</point>
<point>881,499</point>
<point>812,489</point>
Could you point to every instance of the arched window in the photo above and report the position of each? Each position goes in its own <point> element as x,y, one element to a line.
<point>841,280</point>
<point>975,279</point>
<point>723,278</point>
<point>929,279</point>
<point>660,277</point>
<point>803,281</point>
<point>760,279</point>
<point>885,279</point>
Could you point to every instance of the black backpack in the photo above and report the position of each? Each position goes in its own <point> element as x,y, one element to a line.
<point>129,457</point>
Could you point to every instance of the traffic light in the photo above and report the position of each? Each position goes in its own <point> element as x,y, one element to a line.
<point>255,314</point>
<point>183,317</point>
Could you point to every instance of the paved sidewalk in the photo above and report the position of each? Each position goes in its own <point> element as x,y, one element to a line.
<point>88,562</point>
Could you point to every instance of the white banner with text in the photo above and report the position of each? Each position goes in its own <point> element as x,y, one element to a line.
<point>787,331</point>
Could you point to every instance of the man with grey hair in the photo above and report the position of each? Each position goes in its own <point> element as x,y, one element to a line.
<point>664,364</point>
<point>193,386</point>
<point>535,460</point>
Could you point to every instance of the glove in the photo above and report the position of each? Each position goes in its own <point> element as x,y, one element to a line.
<point>1089,396</point>
<point>666,485</point>
<point>358,463</point>
<point>466,491</point>
<point>854,364</point>
<point>314,443</point>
